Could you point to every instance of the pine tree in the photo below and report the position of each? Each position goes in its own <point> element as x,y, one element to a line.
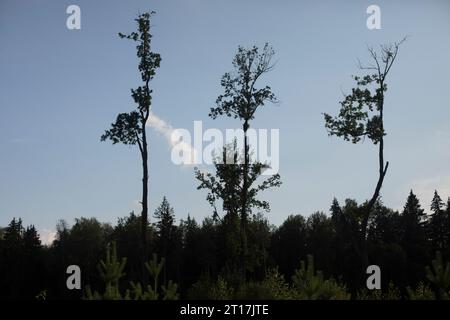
<point>11,257</point>
<point>412,209</point>
<point>111,271</point>
<point>437,226</point>
<point>13,234</point>
<point>413,220</point>
<point>439,275</point>
<point>166,231</point>
<point>309,284</point>
<point>165,218</point>
<point>414,238</point>
<point>31,238</point>
<point>191,263</point>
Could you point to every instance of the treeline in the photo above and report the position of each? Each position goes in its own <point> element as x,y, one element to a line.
<point>201,257</point>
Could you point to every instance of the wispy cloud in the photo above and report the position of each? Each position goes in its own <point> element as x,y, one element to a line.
<point>167,131</point>
<point>47,236</point>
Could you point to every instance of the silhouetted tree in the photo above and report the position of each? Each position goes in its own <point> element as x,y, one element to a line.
<point>320,237</point>
<point>384,245</point>
<point>227,185</point>
<point>240,100</point>
<point>169,240</point>
<point>127,236</point>
<point>22,270</point>
<point>446,253</point>
<point>165,218</point>
<point>361,115</point>
<point>129,128</point>
<point>346,223</point>
<point>12,266</point>
<point>259,236</point>
<point>288,244</point>
<point>437,226</point>
<point>192,266</point>
<point>83,244</point>
<point>414,239</point>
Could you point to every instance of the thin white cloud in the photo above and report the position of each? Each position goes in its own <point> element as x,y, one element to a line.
<point>167,131</point>
<point>47,236</point>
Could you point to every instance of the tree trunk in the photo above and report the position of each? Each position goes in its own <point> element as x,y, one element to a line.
<point>144,215</point>
<point>244,204</point>
<point>382,173</point>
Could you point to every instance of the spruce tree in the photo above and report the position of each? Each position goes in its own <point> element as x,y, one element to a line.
<point>414,239</point>
<point>166,232</point>
<point>439,275</point>
<point>437,226</point>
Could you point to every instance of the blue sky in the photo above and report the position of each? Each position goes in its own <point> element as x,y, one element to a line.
<point>60,89</point>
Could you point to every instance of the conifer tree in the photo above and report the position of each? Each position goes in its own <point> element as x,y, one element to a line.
<point>413,220</point>
<point>412,209</point>
<point>309,284</point>
<point>414,238</point>
<point>111,270</point>
<point>437,226</point>
<point>439,275</point>
<point>166,231</point>
<point>13,233</point>
<point>31,238</point>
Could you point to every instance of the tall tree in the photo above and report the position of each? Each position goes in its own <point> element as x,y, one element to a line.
<point>240,100</point>
<point>361,115</point>
<point>129,128</point>
<point>227,185</point>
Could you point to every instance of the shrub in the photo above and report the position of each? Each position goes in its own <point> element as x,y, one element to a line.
<point>311,285</point>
